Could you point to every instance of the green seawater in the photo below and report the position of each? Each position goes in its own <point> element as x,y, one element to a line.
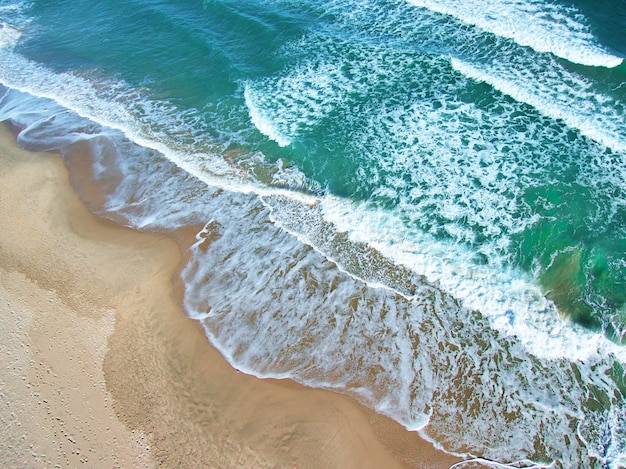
<point>371,108</point>
<point>447,148</point>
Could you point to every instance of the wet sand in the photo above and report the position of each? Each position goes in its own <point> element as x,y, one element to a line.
<point>100,367</point>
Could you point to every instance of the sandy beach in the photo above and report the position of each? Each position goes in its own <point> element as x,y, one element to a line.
<point>100,367</point>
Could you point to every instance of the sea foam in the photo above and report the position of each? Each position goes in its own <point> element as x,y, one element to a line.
<point>332,292</point>
<point>561,96</point>
<point>543,26</point>
<point>310,321</point>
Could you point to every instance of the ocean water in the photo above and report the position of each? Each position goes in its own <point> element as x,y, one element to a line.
<point>418,203</point>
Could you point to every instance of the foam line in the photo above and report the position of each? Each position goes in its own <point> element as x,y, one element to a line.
<point>559,101</point>
<point>78,95</point>
<point>403,300</point>
<point>545,27</point>
<point>261,121</point>
<point>262,333</point>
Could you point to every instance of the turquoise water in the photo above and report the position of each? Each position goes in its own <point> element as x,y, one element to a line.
<point>410,201</point>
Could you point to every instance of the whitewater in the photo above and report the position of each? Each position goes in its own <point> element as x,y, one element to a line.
<point>382,208</point>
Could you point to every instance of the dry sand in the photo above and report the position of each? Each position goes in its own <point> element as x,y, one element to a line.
<point>99,367</point>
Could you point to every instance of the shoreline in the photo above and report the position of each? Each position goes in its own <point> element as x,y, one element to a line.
<point>104,369</point>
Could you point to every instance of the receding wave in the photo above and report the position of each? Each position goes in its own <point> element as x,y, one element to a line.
<point>297,102</point>
<point>457,172</point>
<point>306,319</point>
<point>367,210</point>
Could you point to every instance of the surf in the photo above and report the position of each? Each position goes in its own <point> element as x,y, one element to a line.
<point>362,207</point>
<point>546,27</point>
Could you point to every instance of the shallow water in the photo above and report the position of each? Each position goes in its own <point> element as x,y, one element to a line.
<point>418,203</point>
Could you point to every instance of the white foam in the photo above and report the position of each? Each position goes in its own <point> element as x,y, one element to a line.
<point>284,107</point>
<point>107,105</point>
<point>9,36</point>
<point>479,287</point>
<point>560,96</point>
<point>478,187</point>
<point>261,121</point>
<point>604,434</point>
<point>294,320</point>
<point>444,174</point>
<point>543,26</point>
<point>525,464</point>
<point>511,301</point>
<point>534,79</point>
<point>307,320</point>
<point>271,332</point>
